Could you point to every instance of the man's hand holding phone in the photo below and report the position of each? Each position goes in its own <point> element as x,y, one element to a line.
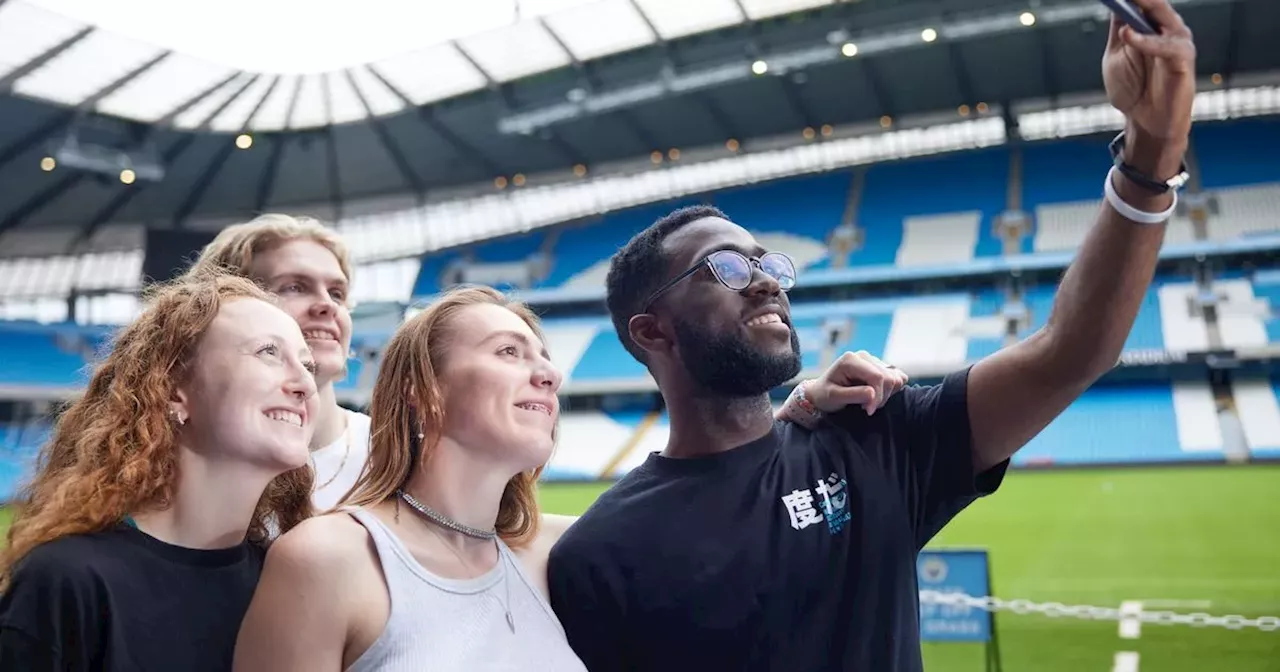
<point>1150,78</point>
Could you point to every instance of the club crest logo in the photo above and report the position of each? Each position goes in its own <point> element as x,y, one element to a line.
<point>933,570</point>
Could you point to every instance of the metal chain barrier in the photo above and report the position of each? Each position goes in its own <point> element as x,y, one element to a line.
<point>1091,613</point>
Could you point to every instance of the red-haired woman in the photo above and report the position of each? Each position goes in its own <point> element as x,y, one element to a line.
<point>139,543</point>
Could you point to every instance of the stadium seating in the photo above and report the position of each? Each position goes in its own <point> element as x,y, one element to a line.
<point>896,228</point>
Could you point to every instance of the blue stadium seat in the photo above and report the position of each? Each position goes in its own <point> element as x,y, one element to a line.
<point>1270,292</point>
<point>1147,332</point>
<point>1113,424</point>
<point>43,361</point>
<point>893,191</point>
<point>1064,171</point>
<point>988,303</point>
<point>581,248</point>
<point>809,206</point>
<point>1229,153</point>
<point>870,333</point>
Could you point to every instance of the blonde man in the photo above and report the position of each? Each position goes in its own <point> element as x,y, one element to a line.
<point>307,266</point>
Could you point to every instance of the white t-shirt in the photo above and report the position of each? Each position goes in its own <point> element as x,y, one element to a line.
<point>338,464</point>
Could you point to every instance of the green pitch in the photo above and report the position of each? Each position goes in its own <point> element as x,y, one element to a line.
<point>1101,537</point>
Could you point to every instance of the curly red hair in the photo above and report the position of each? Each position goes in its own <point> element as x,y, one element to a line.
<point>113,451</point>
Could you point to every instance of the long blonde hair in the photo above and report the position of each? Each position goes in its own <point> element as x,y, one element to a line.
<point>407,400</point>
<point>114,450</point>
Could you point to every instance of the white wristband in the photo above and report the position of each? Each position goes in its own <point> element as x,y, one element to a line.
<point>1131,213</point>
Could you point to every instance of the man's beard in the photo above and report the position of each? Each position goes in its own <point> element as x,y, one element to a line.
<point>730,366</point>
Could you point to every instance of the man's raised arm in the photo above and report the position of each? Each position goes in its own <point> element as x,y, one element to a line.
<point>1017,392</point>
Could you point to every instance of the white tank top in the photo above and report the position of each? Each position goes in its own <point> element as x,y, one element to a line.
<point>452,625</point>
<point>339,464</point>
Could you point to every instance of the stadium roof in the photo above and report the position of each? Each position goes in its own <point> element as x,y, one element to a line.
<point>345,102</point>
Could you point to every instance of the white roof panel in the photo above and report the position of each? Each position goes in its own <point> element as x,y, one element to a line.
<point>381,100</point>
<point>274,115</point>
<point>677,18</point>
<point>196,114</point>
<point>344,105</point>
<point>310,110</point>
<point>27,32</point>
<point>163,88</point>
<point>237,113</point>
<point>600,28</point>
<point>431,74</point>
<point>759,9</point>
<point>515,51</point>
<point>85,68</point>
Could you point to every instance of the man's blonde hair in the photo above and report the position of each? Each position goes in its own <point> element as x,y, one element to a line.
<point>235,246</point>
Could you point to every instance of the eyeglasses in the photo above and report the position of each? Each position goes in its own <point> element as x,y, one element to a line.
<point>735,270</point>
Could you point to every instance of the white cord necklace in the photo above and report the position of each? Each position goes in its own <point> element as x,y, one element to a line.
<point>426,514</point>
<point>346,438</point>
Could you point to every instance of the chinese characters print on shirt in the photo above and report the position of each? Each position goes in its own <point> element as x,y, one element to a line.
<point>833,505</point>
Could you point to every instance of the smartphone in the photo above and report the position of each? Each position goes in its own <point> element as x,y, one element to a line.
<point>1132,15</point>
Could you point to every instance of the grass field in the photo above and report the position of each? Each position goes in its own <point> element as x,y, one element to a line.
<point>1101,537</point>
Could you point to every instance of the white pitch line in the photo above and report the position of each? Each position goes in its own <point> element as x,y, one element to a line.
<point>1130,619</point>
<point>1126,661</point>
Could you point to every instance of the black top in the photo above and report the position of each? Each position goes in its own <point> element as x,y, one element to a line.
<point>795,552</point>
<point>121,600</point>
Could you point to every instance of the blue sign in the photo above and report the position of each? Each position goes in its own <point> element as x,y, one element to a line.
<point>954,571</point>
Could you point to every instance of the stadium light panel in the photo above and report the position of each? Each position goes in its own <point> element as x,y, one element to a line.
<point>1027,19</point>
<point>309,111</point>
<point>27,31</point>
<point>244,141</point>
<point>196,114</point>
<point>344,104</point>
<point>761,9</point>
<point>431,74</point>
<point>600,28</point>
<point>677,18</point>
<point>85,68</point>
<point>163,88</point>
<point>245,34</point>
<point>760,67</point>
<point>382,101</point>
<point>515,51</point>
<point>928,34</point>
<point>233,118</point>
<point>48,163</point>
<point>274,113</point>
<point>849,49</point>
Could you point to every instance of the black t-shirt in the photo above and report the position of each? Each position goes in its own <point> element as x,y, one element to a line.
<point>795,552</point>
<point>122,600</point>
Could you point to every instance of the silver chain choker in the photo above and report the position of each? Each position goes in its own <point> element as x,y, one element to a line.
<point>443,521</point>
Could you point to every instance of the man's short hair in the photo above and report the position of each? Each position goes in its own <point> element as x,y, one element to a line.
<point>640,268</point>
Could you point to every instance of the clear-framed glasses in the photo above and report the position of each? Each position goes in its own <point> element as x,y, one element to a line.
<point>734,270</point>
